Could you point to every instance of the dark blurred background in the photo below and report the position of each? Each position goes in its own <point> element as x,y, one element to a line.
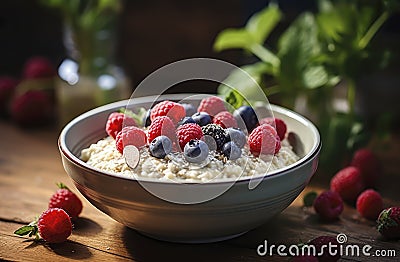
<point>151,33</point>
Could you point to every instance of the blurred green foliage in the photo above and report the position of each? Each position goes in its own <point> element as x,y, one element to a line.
<point>315,53</point>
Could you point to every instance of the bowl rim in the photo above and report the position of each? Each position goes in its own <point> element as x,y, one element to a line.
<point>64,150</point>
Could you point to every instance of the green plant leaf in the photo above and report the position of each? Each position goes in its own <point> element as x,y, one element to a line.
<point>234,99</point>
<point>262,23</point>
<point>25,230</point>
<point>255,32</point>
<point>233,38</point>
<point>358,136</point>
<point>315,76</point>
<point>266,56</point>
<point>331,24</point>
<point>309,198</point>
<point>348,25</point>
<point>247,82</point>
<point>61,185</point>
<point>333,80</point>
<point>302,34</point>
<point>108,4</point>
<point>298,46</point>
<point>138,117</point>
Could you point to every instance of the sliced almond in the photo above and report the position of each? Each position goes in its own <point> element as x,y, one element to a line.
<point>132,156</point>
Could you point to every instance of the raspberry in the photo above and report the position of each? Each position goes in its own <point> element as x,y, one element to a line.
<point>7,88</point>
<point>211,105</point>
<point>328,205</point>
<point>348,183</point>
<point>369,166</point>
<point>130,135</point>
<point>215,136</point>
<point>278,123</point>
<point>264,140</point>
<point>66,200</point>
<point>38,67</point>
<point>116,121</point>
<point>369,204</point>
<point>31,108</point>
<point>225,119</point>
<point>54,226</point>
<point>389,223</point>
<point>321,244</point>
<point>188,132</point>
<point>171,109</point>
<point>161,125</point>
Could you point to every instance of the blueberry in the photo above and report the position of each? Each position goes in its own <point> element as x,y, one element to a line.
<point>160,147</point>
<point>146,118</point>
<point>189,109</point>
<point>187,120</point>
<point>236,136</point>
<point>231,151</point>
<point>248,116</point>
<point>196,151</point>
<point>202,118</point>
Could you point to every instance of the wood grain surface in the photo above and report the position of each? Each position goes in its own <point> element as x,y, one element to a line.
<point>30,165</point>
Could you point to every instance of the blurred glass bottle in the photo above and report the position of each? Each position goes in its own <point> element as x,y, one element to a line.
<point>89,76</point>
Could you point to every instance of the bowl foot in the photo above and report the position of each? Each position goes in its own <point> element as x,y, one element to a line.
<point>192,240</point>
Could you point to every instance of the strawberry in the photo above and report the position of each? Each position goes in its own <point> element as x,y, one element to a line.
<point>328,205</point>
<point>389,223</point>
<point>65,199</point>
<point>32,108</point>
<point>348,183</point>
<point>116,121</point>
<point>211,105</point>
<point>264,140</point>
<point>130,135</point>
<point>161,125</point>
<point>278,123</point>
<point>369,204</point>
<point>54,226</point>
<point>168,108</point>
<point>225,119</point>
<point>369,165</point>
<point>188,132</point>
<point>38,67</point>
<point>7,89</point>
<point>321,244</point>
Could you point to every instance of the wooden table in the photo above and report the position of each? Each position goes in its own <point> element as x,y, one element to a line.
<point>30,166</point>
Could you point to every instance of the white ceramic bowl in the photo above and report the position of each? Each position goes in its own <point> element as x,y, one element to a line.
<point>232,213</point>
